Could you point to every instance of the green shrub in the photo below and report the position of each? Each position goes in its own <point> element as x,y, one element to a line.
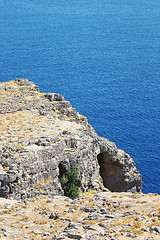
<point>68,183</point>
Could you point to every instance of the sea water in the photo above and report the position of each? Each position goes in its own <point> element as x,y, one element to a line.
<point>101,55</point>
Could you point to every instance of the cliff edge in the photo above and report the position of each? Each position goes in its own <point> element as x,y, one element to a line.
<point>42,137</point>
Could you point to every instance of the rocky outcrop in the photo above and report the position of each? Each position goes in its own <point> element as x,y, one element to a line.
<point>42,137</point>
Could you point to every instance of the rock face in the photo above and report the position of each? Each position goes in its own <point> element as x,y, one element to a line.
<point>42,137</point>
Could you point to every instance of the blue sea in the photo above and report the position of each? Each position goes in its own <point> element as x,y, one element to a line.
<point>101,55</point>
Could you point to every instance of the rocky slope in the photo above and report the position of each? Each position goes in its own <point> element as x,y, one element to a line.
<point>93,216</point>
<point>42,137</point>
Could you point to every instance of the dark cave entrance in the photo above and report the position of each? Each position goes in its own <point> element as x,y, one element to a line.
<point>62,169</point>
<point>109,172</point>
<point>101,162</point>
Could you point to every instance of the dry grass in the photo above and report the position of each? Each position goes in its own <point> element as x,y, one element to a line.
<point>156,221</point>
<point>75,207</point>
<point>137,224</point>
<point>120,221</point>
<point>90,222</point>
<point>40,222</point>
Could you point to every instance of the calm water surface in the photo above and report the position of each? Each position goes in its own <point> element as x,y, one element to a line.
<point>103,56</point>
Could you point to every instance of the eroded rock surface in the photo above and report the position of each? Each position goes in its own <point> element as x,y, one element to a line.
<point>92,216</point>
<point>42,136</point>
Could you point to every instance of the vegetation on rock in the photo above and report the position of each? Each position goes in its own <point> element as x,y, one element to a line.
<point>68,182</point>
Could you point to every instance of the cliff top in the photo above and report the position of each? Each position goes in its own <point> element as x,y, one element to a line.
<point>42,137</point>
<point>25,110</point>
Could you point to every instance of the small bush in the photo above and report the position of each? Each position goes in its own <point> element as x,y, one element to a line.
<point>68,183</point>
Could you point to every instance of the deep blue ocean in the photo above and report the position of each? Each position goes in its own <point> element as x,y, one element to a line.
<point>101,55</point>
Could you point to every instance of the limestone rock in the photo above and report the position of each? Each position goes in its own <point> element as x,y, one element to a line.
<point>33,221</point>
<point>42,137</point>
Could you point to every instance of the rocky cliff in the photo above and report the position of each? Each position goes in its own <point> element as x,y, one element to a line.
<point>42,137</point>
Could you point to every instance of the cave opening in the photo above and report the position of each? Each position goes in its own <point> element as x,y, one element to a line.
<point>109,171</point>
<point>62,169</point>
<point>101,162</point>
